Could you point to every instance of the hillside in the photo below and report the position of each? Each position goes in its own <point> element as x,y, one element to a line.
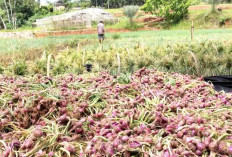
<point>199,14</point>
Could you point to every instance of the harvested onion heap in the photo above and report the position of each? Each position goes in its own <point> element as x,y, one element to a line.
<point>147,114</point>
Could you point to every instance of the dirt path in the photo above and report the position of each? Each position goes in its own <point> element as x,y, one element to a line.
<point>83,31</point>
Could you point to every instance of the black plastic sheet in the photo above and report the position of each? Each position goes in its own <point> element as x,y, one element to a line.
<point>221,82</point>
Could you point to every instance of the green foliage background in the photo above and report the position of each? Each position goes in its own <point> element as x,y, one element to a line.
<point>173,11</point>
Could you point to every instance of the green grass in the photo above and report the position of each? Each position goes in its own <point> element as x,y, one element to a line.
<point>154,38</point>
<point>32,49</point>
<point>204,20</point>
<point>15,45</point>
<point>122,21</point>
<point>148,38</point>
<point>22,29</point>
<point>115,11</point>
<point>145,46</point>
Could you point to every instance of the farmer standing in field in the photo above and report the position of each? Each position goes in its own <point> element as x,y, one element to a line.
<point>101,31</point>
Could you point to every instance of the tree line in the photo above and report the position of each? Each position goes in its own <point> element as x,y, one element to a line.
<point>116,3</point>
<point>16,13</point>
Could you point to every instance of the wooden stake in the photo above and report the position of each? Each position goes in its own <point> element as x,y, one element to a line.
<point>83,58</point>
<point>44,56</point>
<point>78,47</point>
<point>127,50</point>
<point>48,65</point>
<point>192,30</point>
<point>119,63</point>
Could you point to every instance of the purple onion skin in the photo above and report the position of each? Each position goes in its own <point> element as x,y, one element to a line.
<point>174,155</point>
<point>127,154</point>
<point>229,150</point>
<point>6,153</point>
<point>159,146</point>
<point>109,151</point>
<point>192,146</point>
<point>222,147</point>
<point>186,153</point>
<point>213,146</point>
<point>134,144</point>
<point>70,148</point>
<point>120,148</point>
<point>125,138</point>
<point>116,142</point>
<point>15,144</point>
<point>88,149</point>
<point>166,153</point>
<point>200,146</point>
<point>122,135</point>
<point>28,144</point>
<point>51,154</point>
<point>207,141</point>
<point>146,155</point>
<point>41,153</point>
<point>38,133</point>
<point>198,152</point>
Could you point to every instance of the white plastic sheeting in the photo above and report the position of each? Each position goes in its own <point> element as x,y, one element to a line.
<point>80,18</point>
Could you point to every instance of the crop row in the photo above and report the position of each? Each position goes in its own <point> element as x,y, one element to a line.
<point>194,58</point>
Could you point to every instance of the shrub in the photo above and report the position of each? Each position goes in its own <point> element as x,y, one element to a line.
<point>1,70</point>
<point>116,36</point>
<point>222,20</point>
<point>195,58</point>
<point>195,2</point>
<point>60,68</point>
<point>19,68</point>
<point>40,67</point>
<point>73,43</point>
<point>130,12</point>
<point>134,26</point>
<point>173,11</point>
<point>84,5</point>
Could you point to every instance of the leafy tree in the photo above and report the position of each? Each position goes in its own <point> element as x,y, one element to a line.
<point>68,5</point>
<point>83,4</point>
<point>172,10</point>
<point>116,3</point>
<point>195,2</point>
<point>130,11</point>
<point>2,13</point>
<point>15,13</point>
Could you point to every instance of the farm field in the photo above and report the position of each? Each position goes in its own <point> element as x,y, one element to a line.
<point>210,49</point>
<point>149,38</point>
<point>121,108</point>
<point>139,94</point>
